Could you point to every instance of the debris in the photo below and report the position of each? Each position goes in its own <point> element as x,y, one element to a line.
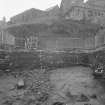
<point>94,96</point>
<point>44,97</point>
<point>58,103</point>
<point>87,104</point>
<point>20,84</point>
<point>83,98</point>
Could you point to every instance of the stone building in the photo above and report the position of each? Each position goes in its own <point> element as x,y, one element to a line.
<point>6,39</point>
<point>36,16</point>
<point>100,38</point>
<point>49,40</point>
<point>66,5</point>
<point>26,16</point>
<point>2,25</point>
<point>26,43</point>
<point>72,33</point>
<point>92,11</point>
<point>52,41</point>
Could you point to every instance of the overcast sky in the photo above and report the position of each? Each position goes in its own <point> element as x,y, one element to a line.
<point>9,8</point>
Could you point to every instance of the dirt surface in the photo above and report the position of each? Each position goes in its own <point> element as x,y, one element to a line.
<point>72,86</point>
<point>77,86</point>
<point>35,90</point>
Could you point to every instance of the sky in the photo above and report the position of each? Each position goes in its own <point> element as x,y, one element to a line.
<point>9,8</point>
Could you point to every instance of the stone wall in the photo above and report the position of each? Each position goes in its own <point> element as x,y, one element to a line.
<point>100,38</point>
<point>1,36</point>
<point>89,42</point>
<point>8,39</point>
<point>19,42</point>
<point>66,43</point>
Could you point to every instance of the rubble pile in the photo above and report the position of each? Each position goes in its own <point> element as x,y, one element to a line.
<point>28,80</point>
<point>66,86</point>
<point>28,88</point>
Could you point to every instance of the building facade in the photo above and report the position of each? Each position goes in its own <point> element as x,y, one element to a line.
<point>93,12</point>
<point>89,14</point>
<point>36,16</point>
<point>6,39</point>
<point>26,43</point>
<point>72,9</point>
<point>51,41</point>
<point>100,38</point>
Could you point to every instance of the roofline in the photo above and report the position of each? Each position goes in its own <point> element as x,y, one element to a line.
<point>26,11</point>
<point>51,8</point>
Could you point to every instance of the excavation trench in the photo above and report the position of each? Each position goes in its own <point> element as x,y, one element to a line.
<point>51,79</point>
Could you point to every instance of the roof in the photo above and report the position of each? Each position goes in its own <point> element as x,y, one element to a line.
<point>59,28</point>
<point>35,16</point>
<point>25,30</point>
<point>55,7</point>
<point>86,6</point>
<point>66,5</point>
<point>29,11</point>
<point>98,3</point>
<point>53,11</point>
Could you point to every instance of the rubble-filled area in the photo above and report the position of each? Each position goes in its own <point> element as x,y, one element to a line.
<point>64,86</point>
<point>25,88</point>
<point>39,78</point>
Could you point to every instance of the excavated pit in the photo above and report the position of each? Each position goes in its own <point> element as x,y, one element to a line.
<point>43,78</point>
<point>77,86</point>
<point>62,86</point>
